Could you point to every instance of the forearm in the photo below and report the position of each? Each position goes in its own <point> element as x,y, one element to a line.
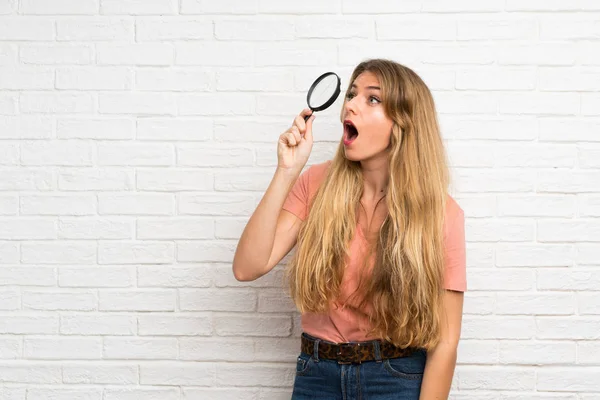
<point>256,243</point>
<point>439,371</point>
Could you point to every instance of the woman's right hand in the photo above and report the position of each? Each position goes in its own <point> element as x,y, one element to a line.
<point>295,144</point>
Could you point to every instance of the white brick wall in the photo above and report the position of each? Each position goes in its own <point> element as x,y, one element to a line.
<point>137,136</point>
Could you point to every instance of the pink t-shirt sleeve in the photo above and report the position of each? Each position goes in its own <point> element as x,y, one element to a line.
<point>297,200</point>
<point>455,272</point>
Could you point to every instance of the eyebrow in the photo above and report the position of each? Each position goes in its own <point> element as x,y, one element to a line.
<point>368,87</point>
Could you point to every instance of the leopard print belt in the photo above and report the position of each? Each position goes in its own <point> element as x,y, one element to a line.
<point>353,352</point>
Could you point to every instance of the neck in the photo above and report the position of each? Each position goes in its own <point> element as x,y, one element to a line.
<point>376,177</point>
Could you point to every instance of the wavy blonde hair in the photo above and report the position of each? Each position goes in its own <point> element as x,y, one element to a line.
<point>404,289</point>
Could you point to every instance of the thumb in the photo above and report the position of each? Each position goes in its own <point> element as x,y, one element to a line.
<point>309,124</point>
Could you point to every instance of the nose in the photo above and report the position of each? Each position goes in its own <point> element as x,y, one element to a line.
<point>350,105</point>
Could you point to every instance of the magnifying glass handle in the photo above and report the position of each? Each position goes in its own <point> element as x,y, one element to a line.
<point>307,117</point>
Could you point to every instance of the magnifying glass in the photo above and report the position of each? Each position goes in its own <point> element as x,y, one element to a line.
<point>323,92</point>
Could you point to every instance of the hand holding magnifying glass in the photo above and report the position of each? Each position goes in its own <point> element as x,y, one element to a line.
<point>295,144</point>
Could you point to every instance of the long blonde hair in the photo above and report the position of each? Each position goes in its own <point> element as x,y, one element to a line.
<point>404,289</point>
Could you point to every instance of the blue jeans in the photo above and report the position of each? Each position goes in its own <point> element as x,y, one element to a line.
<point>394,378</point>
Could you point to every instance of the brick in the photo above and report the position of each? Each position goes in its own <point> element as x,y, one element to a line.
<point>135,252</point>
<point>32,373</point>
<point>94,228</point>
<point>56,103</point>
<point>135,154</point>
<point>139,348</point>
<point>221,104</point>
<point>534,255</point>
<point>102,374</point>
<point>205,156</point>
<point>26,78</point>
<point>59,7</point>
<point>189,129</point>
<point>537,54</point>
<point>221,300</point>
<point>497,29</point>
<point>59,301</point>
<point>214,54</point>
<point>205,251</point>
<point>27,229</point>
<point>95,30</point>
<point>504,78</point>
<point>174,276</point>
<point>103,129</point>
<point>56,54</point>
<point>493,328</point>
<point>175,325</point>
<point>63,252</point>
<point>536,304</point>
<point>137,103</point>
<point>252,325</point>
<point>568,279</point>
<point>94,78</point>
<point>172,373</point>
<point>176,80</point>
<point>134,54</point>
<point>146,393</point>
<point>567,231</point>
<point>536,206</point>
<point>309,7</point>
<point>501,280</point>
<point>415,28</point>
<point>141,300</point>
<point>238,375</point>
<point>97,324</point>
<point>28,276</point>
<point>27,29</point>
<point>97,179</point>
<point>574,328</point>
<point>28,325</point>
<point>9,300</point>
<point>57,152</point>
<point>381,7</point>
<point>173,29</point>
<point>254,30</point>
<point>61,394</point>
<point>136,204</point>
<point>494,378</point>
<point>222,7</point>
<point>9,205</point>
<point>174,228</point>
<point>255,81</point>
<point>95,277</point>
<point>174,180</point>
<point>63,348</point>
<point>138,7</point>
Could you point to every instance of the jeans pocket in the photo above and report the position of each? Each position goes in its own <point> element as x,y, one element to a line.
<point>303,364</point>
<point>398,367</point>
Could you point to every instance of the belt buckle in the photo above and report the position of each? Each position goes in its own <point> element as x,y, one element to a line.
<point>355,355</point>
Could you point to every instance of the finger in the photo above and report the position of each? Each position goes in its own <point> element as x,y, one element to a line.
<point>300,123</point>
<point>296,132</point>
<point>309,125</point>
<point>291,140</point>
<point>305,113</point>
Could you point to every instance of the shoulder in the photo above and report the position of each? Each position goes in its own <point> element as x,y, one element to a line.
<point>454,215</point>
<point>316,173</point>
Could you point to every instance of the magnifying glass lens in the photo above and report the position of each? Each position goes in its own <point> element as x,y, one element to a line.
<point>323,92</point>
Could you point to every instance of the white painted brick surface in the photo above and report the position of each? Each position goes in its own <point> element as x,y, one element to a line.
<point>138,136</point>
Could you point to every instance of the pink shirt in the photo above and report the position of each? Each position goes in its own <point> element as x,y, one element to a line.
<point>345,324</point>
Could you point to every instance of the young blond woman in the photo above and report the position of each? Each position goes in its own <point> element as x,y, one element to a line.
<point>379,269</point>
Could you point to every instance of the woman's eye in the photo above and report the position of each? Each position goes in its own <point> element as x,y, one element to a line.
<point>374,100</point>
<point>349,96</point>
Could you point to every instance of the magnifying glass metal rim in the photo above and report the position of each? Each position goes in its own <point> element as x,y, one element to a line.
<point>331,100</point>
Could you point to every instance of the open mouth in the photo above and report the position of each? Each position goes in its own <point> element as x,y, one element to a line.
<point>350,132</point>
